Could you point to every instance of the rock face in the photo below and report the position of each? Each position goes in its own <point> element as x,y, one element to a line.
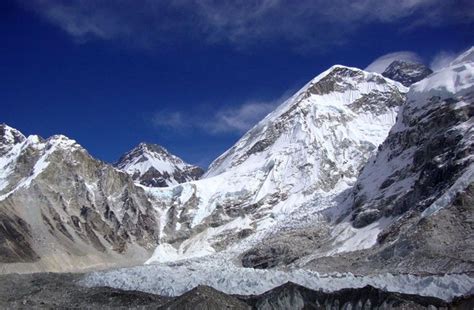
<point>423,175</point>
<point>152,165</point>
<point>60,209</point>
<point>310,147</point>
<point>427,153</point>
<point>406,73</point>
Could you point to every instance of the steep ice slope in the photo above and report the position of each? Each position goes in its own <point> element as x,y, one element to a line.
<point>336,117</point>
<point>60,209</point>
<point>152,165</point>
<point>311,147</point>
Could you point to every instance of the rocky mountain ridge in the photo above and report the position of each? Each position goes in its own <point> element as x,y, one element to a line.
<point>61,209</point>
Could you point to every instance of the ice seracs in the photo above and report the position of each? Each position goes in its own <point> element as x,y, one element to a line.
<point>152,165</point>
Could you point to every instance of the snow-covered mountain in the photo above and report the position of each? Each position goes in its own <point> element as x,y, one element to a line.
<point>309,148</point>
<point>404,225</point>
<point>152,165</point>
<point>411,206</point>
<point>406,73</point>
<point>61,210</point>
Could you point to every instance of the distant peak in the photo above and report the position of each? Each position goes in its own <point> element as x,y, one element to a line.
<point>152,165</point>
<point>406,72</point>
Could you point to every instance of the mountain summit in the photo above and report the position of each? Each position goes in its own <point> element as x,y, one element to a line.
<point>406,72</point>
<point>152,165</point>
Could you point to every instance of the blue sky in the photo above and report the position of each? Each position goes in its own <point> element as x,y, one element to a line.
<point>193,75</point>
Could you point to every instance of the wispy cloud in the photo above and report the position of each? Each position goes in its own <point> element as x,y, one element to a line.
<point>437,62</point>
<point>230,119</point>
<point>241,118</point>
<point>442,59</point>
<point>380,64</point>
<point>313,22</point>
<point>170,120</point>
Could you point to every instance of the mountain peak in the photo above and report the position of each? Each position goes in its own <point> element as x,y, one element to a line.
<point>153,148</point>
<point>9,136</point>
<point>339,78</point>
<point>406,72</point>
<point>152,165</point>
<point>337,96</point>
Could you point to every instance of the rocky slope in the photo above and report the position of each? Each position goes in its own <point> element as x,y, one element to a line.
<point>406,73</point>
<point>60,209</point>
<point>152,165</point>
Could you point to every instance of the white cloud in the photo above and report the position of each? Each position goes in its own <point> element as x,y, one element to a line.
<point>240,119</point>
<point>380,64</point>
<point>441,60</point>
<point>303,22</point>
<point>230,119</point>
<point>170,120</point>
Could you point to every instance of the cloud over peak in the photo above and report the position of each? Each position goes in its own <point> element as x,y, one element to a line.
<point>380,64</point>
